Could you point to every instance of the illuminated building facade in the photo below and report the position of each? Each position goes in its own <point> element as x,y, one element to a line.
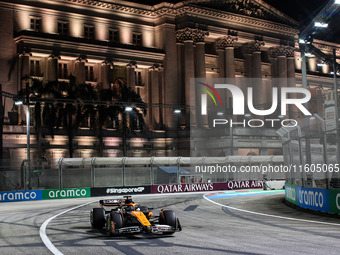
<point>157,49</point>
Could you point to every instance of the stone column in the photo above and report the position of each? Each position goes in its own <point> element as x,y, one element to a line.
<point>52,68</point>
<point>25,67</point>
<point>227,44</point>
<point>180,120</point>
<point>171,85</point>
<point>273,61</point>
<point>131,77</point>
<point>186,36</point>
<point>105,69</point>
<point>161,95</point>
<point>253,70</point>
<point>80,69</point>
<point>24,73</point>
<point>200,60</point>
<point>188,67</point>
<point>200,72</point>
<point>325,69</point>
<point>221,45</point>
<point>155,96</point>
<point>285,70</point>
<point>298,62</point>
<point>291,82</point>
<point>312,63</point>
<point>229,56</point>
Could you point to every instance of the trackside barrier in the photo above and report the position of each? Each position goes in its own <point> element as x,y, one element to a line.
<point>66,193</point>
<point>13,196</point>
<point>96,192</point>
<point>194,187</point>
<point>313,198</point>
<point>291,193</point>
<point>324,200</point>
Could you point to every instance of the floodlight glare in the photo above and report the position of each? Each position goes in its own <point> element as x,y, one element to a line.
<point>18,102</point>
<point>302,41</point>
<point>320,24</point>
<point>128,108</point>
<point>177,111</point>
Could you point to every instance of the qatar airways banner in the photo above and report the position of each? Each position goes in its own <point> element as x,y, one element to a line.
<point>194,187</point>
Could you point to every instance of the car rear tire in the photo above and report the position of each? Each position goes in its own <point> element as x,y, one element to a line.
<point>113,223</point>
<point>168,217</point>
<point>97,218</point>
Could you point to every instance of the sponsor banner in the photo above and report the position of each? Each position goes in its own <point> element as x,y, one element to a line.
<point>334,201</point>
<point>244,184</point>
<point>66,193</point>
<point>312,198</point>
<point>290,193</point>
<point>11,196</point>
<point>95,192</point>
<point>190,187</point>
<point>194,187</point>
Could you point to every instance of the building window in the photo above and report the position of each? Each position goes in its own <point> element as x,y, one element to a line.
<point>63,28</point>
<point>35,24</point>
<point>62,71</point>
<point>89,73</point>
<point>89,32</point>
<point>137,39</point>
<point>35,68</point>
<point>114,36</point>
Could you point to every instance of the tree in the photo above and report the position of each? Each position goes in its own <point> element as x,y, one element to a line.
<point>132,120</point>
<point>106,113</point>
<point>70,114</point>
<point>40,90</point>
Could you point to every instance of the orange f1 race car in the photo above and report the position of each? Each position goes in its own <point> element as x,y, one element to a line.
<point>127,217</point>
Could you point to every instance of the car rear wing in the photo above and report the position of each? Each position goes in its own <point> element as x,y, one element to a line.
<point>110,202</point>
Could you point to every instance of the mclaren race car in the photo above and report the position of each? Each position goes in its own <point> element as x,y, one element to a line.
<point>127,217</point>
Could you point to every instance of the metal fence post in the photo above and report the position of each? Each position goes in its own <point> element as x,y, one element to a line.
<point>324,146</point>
<point>92,173</point>
<point>123,171</point>
<point>60,163</point>
<point>151,170</point>
<point>300,153</point>
<point>290,152</point>
<point>178,171</point>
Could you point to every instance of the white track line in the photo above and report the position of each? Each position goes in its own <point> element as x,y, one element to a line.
<point>43,234</point>
<point>43,227</point>
<point>270,215</point>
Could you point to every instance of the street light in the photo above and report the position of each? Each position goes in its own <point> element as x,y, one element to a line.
<point>128,109</point>
<point>320,24</point>
<point>18,102</point>
<point>28,118</point>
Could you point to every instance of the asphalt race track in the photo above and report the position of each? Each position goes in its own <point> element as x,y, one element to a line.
<point>208,228</point>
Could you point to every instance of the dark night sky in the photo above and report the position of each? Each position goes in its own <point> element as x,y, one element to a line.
<point>302,11</point>
<point>297,9</point>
